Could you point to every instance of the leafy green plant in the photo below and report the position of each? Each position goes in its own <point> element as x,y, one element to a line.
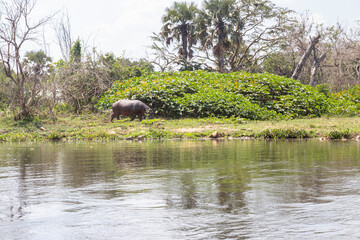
<point>345,103</point>
<point>206,94</point>
<point>55,135</point>
<point>339,134</point>
<point>285,133</point>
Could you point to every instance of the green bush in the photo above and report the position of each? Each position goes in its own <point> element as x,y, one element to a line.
<point>339,134</point>
<point>283,95</point>
<point>345,103</point>
<point>285,133</point>
<point>204,94</point>
<point>213,102</point>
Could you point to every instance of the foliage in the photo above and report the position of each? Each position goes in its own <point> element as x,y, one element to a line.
<point>179,27</point>
<point>223,35</point>
<point>339,134</point>
<point>6,91</point>
<point>345,103</point>
<point>203,94</point>
<point>37,61</point>
<point>17,30</point>
<point>324,89</point>
<point>76,51</point>
<point>285,133</point>
<point>283,95</point>
<point>81,82</point>
<point>278,63</point>
<point>123,68</point>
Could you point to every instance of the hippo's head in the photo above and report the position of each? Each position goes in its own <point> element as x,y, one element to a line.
<point>151,114</point>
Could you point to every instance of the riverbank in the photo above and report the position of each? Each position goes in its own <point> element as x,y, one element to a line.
<point>98,127</point>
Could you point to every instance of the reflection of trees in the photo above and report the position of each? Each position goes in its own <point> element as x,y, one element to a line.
<point>80,165</point>
<point>87,163</point>
<point>128,157</point>
<point>188,191</point>
<point>300,171</point>
<point>231,192</point>
<point>199,178</point>
<point>232,175</point>
<point>34,162</point>
<point>207,174</point>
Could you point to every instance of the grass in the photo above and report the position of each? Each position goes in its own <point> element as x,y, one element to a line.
<point>98,128</point>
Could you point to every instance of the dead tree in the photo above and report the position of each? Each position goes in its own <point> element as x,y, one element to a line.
<point>305,56</point>
<point>63,34</point>
<point>16,28</point>
<point>315,68</point>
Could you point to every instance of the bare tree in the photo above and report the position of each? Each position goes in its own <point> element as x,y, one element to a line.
<point>17,28</point>
<point>305,56</point>
<point>315,67</point>
<point>164,58</point>
<point>63,34</point>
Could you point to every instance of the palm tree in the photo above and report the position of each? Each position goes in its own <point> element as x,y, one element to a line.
<point>178,25</point>
<point>217,25</point>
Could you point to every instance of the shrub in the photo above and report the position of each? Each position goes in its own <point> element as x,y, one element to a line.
<point>285,133</point>
<point>203,94</point>
<point>213,102</point>
<point>339,134</point>
<point>283,95</point>
<point>345,103</point>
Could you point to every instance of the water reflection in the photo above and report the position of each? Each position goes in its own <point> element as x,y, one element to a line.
<point>179,190</point>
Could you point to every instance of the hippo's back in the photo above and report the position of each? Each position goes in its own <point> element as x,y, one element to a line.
<point>129,107</point>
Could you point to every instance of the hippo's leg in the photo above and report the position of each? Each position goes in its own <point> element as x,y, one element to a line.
<point>133,117</point>
<point>113,116</point>
<point>118,117</point>
<point>140,117</point>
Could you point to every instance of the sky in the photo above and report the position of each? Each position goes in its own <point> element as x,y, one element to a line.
<point>124,27</point>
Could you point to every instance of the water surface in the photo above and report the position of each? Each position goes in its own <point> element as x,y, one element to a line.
<point>180,190</point>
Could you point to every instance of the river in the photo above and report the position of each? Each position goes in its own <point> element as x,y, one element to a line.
<point>180,190</point>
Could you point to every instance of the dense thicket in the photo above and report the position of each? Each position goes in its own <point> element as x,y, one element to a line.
<point>203,94</point>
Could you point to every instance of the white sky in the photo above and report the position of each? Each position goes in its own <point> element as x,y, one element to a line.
<point>120,26</point>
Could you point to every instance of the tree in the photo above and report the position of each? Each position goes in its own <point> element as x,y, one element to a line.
<point>341,68</point>
<point>178,26</point>
<point>278,63</point>
<point>233,35</point>
<point>17,28</point>
<point>240,33</point>
<point>121,68</point>
<point>76,52</point>
<point>81,79</point>
<point>63,34</point>
<point>37,62</point>
<point>215,25</point>
<point>298,53</point>
<point>36,65</point>
<point>305,56</point>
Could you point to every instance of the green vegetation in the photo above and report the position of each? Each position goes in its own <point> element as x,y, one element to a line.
<point>205,94</point>
<point>203,104</point>
<point>226,39</point>
<point>91,127</point>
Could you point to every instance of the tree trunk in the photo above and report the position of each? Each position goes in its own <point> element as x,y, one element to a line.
<point>315,68</point>
<point>24,112</point>
<point>303,59</point>
<point>219,48</point>
<point>184,38</point>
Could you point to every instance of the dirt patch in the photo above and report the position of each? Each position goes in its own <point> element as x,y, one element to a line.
<point>200,129</point>
<point>189,130</point>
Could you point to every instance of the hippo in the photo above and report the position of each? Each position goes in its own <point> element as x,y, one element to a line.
<point>130,108</point>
